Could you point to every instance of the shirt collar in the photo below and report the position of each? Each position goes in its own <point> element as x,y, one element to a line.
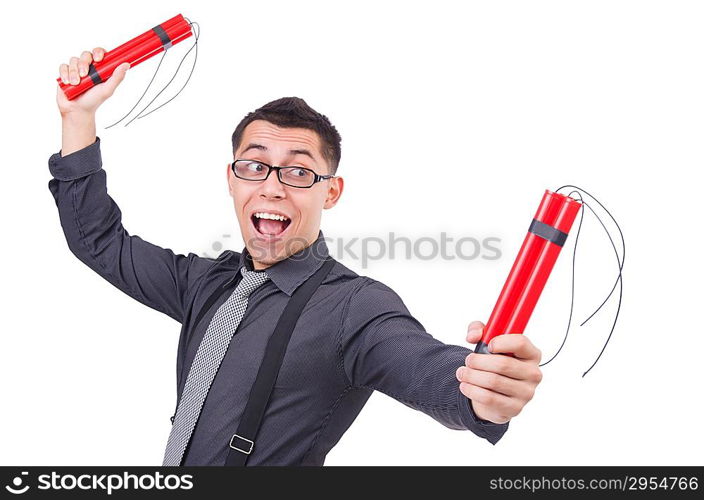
<point>289,273</point>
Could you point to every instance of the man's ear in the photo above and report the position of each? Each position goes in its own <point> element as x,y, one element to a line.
<point>228,173</point>
<point>337,185</point>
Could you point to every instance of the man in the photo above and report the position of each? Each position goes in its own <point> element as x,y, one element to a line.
<point>352,337</point>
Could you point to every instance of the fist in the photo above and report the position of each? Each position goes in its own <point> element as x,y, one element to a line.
<point>77,68</point>
<point>498,387</point>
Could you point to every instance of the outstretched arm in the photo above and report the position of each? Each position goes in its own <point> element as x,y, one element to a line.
<point>385,348</point>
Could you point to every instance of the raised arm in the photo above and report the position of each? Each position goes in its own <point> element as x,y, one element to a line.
<point>90,218</point>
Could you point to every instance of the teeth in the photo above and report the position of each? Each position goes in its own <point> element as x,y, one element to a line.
<point>266,215</point>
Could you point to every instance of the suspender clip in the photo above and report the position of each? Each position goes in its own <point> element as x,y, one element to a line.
<point>248,444</point>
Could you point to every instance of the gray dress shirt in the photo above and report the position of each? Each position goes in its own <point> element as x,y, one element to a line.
<point>354,336</point>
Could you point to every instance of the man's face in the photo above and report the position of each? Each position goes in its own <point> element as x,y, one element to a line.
<point>270,240</point>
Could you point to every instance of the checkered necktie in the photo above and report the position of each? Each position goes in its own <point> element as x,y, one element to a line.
<point>205,365</point>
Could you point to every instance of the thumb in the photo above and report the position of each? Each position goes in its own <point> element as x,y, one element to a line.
<point>475,331</point>
<point>116,78</point>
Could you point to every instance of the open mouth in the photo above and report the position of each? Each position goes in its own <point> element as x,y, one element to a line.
<point>269,224</point>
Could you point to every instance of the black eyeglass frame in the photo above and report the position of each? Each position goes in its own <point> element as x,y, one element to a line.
<point>316,177</point>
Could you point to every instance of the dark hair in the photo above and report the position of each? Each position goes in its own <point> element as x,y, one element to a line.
<point>294,112</point>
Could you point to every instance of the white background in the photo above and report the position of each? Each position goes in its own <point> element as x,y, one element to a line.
<point>506,99</point>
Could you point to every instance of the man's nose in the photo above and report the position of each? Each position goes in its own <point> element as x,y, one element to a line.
<point>272,187</point>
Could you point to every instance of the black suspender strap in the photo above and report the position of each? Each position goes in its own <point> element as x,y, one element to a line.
<point>219,292</point>
<point>242,442</point>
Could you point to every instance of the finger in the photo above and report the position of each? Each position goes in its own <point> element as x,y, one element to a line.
<point>495,382</point>
<point>63,73</point>
<point>98,54</point>
<point>489,380</point>
<point>85,60</point>
<point>475,331</point>
<point>517,344</point>
<point>117,76</point>
<point>73,71</point>
<point>61,98</point>
<point>475,325</point>
<point>498,402</point>
<point>505,365</point>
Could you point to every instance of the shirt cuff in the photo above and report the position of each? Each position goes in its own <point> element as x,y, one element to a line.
<point>486,429</point>
<point>78,164</point>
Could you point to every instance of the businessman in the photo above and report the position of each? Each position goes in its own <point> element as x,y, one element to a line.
<point>345,335</point>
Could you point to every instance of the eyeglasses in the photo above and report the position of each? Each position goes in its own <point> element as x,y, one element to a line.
<point>253,170</point>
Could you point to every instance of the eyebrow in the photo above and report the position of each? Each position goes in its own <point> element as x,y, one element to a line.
<point>291,151</point>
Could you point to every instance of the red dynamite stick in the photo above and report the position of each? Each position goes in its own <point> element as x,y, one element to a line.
<point>531,269</point>
<point>153,45</point>
<point>149,43</point>
<point>137,41</point>
<point>135,51</point>
<point>139,56</point>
